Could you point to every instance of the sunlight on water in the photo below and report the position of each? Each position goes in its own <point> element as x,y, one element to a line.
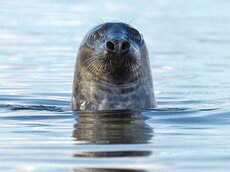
<point>188,42</point>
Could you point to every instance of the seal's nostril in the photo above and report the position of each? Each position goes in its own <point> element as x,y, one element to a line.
<point>125,46</point>
<point>110,46</point>
<point>115,46</point>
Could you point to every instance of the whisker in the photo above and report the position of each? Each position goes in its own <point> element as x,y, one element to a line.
<point>88,61</point>
<point>101,20</point>
<point>131,21</point>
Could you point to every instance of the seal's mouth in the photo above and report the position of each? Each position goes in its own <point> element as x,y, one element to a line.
<point>121,61</point>
<point>117,69</point>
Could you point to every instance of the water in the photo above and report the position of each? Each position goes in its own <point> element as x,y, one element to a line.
<point>188,43</point>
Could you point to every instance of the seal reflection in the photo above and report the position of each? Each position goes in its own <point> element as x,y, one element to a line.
<point>111,127</point>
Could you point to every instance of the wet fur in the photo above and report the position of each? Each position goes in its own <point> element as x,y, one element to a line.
<point>102,82</point>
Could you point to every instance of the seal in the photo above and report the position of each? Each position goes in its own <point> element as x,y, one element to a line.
<point>112,70</point>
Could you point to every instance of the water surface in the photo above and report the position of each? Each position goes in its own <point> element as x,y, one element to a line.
<point>188,42</point>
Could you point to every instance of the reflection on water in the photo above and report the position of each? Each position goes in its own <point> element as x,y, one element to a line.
<point>112,127</point>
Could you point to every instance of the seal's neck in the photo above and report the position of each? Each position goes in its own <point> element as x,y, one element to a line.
<point>128,87</point>
<point>110,87</point>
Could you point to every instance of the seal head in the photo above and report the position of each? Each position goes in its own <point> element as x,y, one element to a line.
<point>112,70</point>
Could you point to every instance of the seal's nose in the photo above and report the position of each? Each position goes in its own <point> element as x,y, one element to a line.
<point>121,46</point>
<point>110,46</point>
<point>124,46</point>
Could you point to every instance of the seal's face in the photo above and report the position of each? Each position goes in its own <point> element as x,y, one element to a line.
<point>114,53</point>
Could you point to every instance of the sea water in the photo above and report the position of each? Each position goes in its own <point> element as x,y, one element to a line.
<point>189,47</point>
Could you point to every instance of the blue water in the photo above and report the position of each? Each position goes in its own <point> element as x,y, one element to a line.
<point>188,42</point>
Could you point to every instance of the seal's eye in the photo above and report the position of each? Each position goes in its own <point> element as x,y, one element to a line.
<point>95,36</point>
<point>137,37</point>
